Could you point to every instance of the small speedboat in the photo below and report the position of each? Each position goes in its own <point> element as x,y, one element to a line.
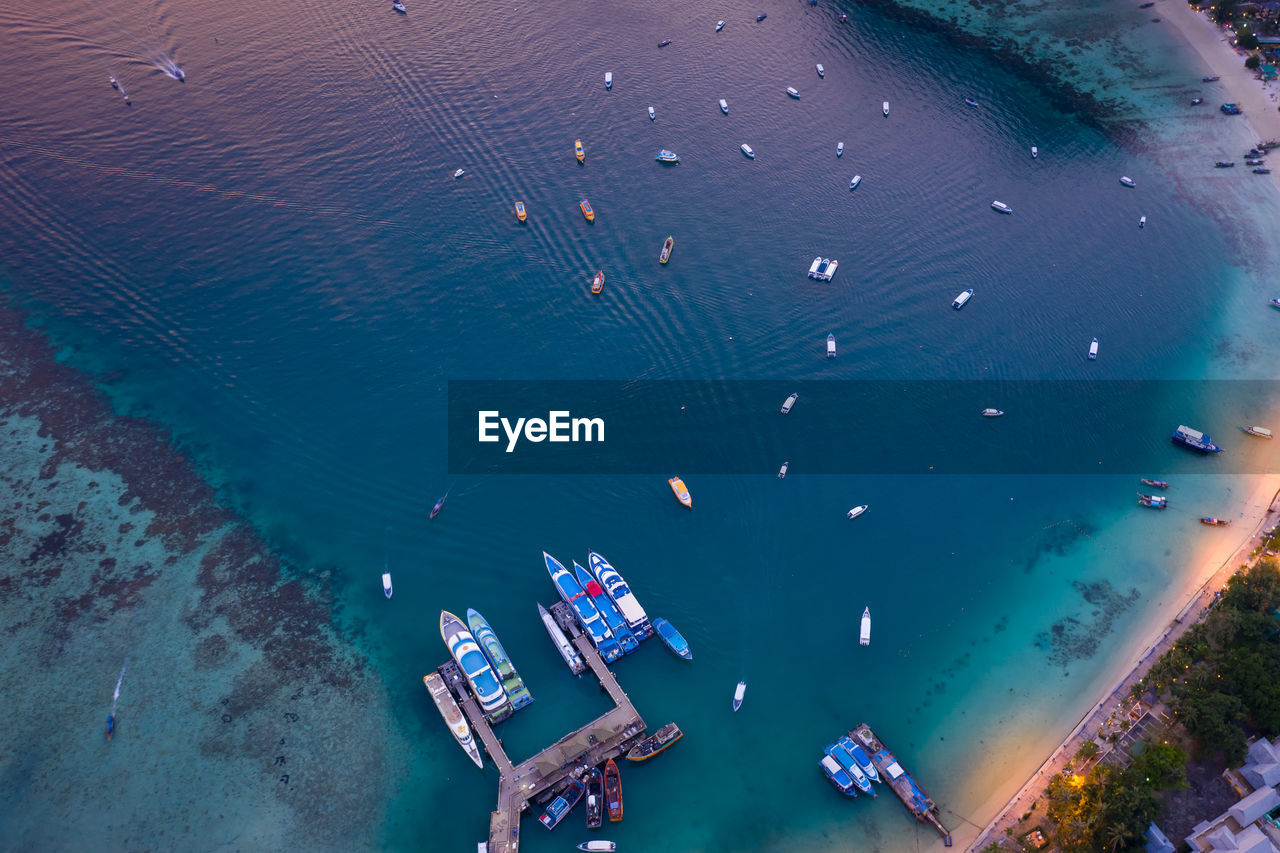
<point>864,639</point>
<point>386,584</point>
<point>1215,522</point>
<point>1155,484</point>
<point>179,74</point>
<point>854,181</point>
<point>597,283</point>
<point>1035,152</point>
<point>719,26</point>
<point>585,207</point>
<point>1001,206</point>
<point>792,92</point>
<point>724,106</point>
<point>822,72</point>
<point>738,693</point>
<point>665,156</point>
<point>598,846</point>
<point>1142,222</point>
<point>962,299</point>
<point>1259,432</point>
<point>884,108</point>
<point>1093,350</point>
<point>608,79</point>
<point>681,491</point>
<point>971,102</point>
<point>1128,181</point>
<point>435,510</point>
<point>673,638</point>
<point>782,472</point>
<point>398,6</point>
<point>858,510</point>
<point>111,725</point>
<point>1223,164</point>
<point>788,403</point>
<point>839,149</point>
<point>843,18</point>
<point>520,211</point>
<point>831,346</point>
<point>459,173</point>
<point>992,413</point>
<point>664,42</point>
<point>115,84</point>
<point>761,17</point>
<point>746,149</point>
<point>652,114</point>
<point>667,246</point>
<point>578,151</point>
<point>1195,102</point>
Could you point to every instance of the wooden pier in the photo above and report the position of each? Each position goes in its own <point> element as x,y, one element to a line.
<point>897,778</point>
<point>608,736</point>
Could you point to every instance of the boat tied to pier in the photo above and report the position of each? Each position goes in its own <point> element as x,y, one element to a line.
<point>608,611</point>
<point>613,790</point>
<point>501,661</point>
<point>896,777</point>
<point>595,798</point>
<point>475,666</point>
<point>562,804</point>
<point>584,608</point>
<point>571,657</point>
<point>448,708</point>
<point>655,743</point>
<point>841,779</point>
<point>623,598</point>
<point>851,767</point>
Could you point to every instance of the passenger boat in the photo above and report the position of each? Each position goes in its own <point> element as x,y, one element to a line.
<point>1155,484</point>
<point>578,152</point>
<point>908,790</point>
<point>584,608</point>
<point>608,79</point>
<point>1128,181</point>
<point>665,156</point>
<point>598,846</point>
<point>845,760</point>
<point>399,7</point>
<point>1193,439</point>
<point>1142,222</point>
<point>1001,206</point>
<point>613,791</point>
<point>854,181</point>
<point>571,657</point>
<point>520,211</point>
<point>842,780</point>
<point>585,207</point>
<point>501,661</point>
<point>782,472</point>
<point>864,630</point>
<point>664,42</point>
<point>674,639</point>
<point>792,92</point>
<point>822,72</point>
<point>859,755</point>
<point>652,114</point>
<point>1224,164</point>
<point>724,106</point>
<point>962,299</point>
<point>448,708</point>
<point>386,583</point>
<point>831,346</point>
<point>562,804</point>
<point>858,510</point>
<point>719,26</point>
<point>839,149</point>
<point>746,149</point>
<point>1035,152</point>
<point>1260,432</point>
<point>655,743</point>
<point>612,618</point>
<point>971,102</point>
<point>1215,522</point>
<point>681,493</point>
<point>992,413</point>
<point>595,798</point>
<point>739,692</point>
<point>1153,501</point>
<point>1093,350</point>
<point>623,598</point>
<point>665,254</point>
<point>459,173</point>
<point>788,403</point>
<point>884,108</point>
<point>597,283</point>
<point>475,666</point>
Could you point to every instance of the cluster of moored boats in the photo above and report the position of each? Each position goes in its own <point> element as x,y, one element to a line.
<point>1199,442</point>
<point>486,665</point>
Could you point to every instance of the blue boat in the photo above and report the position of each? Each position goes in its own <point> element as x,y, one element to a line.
<point>501,661</point>
<point>573,593</point>
<point>562,805</point>
<point>475,666</point>
<point>860,755</point>
<point>845,760</point>
<point>616,587</point>
<point>839,778</point>
<point>672,638</point>
<point>1193,439</point>
<point>612,618</point>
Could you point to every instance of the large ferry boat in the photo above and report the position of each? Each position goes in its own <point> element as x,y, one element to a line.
<point>855,771</point>
<point>897,778</point>
<point>842,780</point>
<point>616,587</point>
<point>572,592</point>
<point>1193,439</point>
<point>612,618</point>
<point>860,755</point>
<point>475,666</point>
<point>452,714</point>
<point>501,661</point>
<point>655,743</point>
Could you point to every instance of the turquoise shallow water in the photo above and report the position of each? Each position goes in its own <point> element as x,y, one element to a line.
<point>274,260</point>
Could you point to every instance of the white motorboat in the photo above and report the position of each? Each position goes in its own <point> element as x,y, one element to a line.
<point>746,149</point>
<point>1128,181</point>
<point>853,183</point>
<point>813,267</point>
<point>992,413</point>
<point>831,270</point>
<point>839,149</point>
<point>822,72</point>
<point>1259,432</point>
<point>652,114</point>
<point>1093,350</point>
<point>864,632</point>
<point>790,401</point>
<point>1001,206</point>
<point>598,846</point>
<point>858,510</point>
<point>884,108</point>
<point>608,79</point>
<point>962,299</point>
<point>448,707</point>
<point>398,6</point>
<point>1142,222</point>
<point>782,472</point>
<point>724,106</point>
<point>386,584</point>
<point>831,346</point>
<point>459,173</point>
<point>1035,152</point>
<point>792,92</point>
<point>738,693</point>
<point>719,26</point>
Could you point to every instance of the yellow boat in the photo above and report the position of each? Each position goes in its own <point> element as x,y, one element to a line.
<point>585,207</point>
<point>597,285</point>
<point>666,251</point>
<point>577,150</point>
<point>520,213</point>
<point>682,494</point>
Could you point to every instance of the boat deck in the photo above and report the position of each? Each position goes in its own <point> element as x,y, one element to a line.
<point>608,736</point>
<point>897,778</point>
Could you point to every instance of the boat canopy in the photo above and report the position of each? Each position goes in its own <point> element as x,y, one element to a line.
<point>894,770</point>
<point>594,588</point>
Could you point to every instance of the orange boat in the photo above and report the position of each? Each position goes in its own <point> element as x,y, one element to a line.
<point>577,150</point>
<point>585,207</point>
<point>682,494</point>
<point>655,743</point>
<point>597,284</point>
<point>520,212</point>
<point>613,790</point>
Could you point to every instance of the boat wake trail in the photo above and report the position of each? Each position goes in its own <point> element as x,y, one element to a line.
<point>115,699</point>
<point>166,64</point>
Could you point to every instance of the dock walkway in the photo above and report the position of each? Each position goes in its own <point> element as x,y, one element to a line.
<point>897,778</point>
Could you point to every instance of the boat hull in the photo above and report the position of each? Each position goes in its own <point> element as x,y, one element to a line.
<point>452,714</point>
<point>573,593</point>
<point>681,493</point>
<point>673,639</point>
<point>623,597</point>
<point>475,666</point>
<point>613,791</point>
<point>499,659</point>
<point>604,604</point>
<point>656,743</point>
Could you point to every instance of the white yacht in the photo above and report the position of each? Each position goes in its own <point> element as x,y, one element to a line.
<point>738,693</point>
<point>459,173</point>
<point>1128,181</point>
<point>831,346</point>
<point>652,114</point>
<point>839,149</point>
<point>1093,350</point>
<point>884,108</point>
<point>790,401</point>
<point>746,149</point>
<point>386,584</point>
<point>864,632</point>
<point>813,267</point>
<point>608,79</point>
<point>792,92</point>
<point>853,184</point>
<point>1001,206</point>
<point>724,106</point>
<point>858,510</point>
<point>822,72</point>
<point>962,299</point>
<point>719,26</point>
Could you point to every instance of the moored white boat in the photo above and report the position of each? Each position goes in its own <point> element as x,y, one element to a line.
<point>625,600</point>
<point>788,403</point>
<point>652,114</point>
<point>738,693</point>
<point>792,92</point>
<point>1260,432</point>
<point>858,510</point>
<point>746,149</point>
<point>831,346</point>
<point>598,846</point>
<point>813,267</point>
<point>1001,207</point>
<point>724,106</point>
<point>386,583</point>
<point>853,183</point>
<point>839,149</point>
<point>1093,350</point>
<point>884,108</point>
<point>864,631</point>
<point>448,708</point>
<point>831,270</point>
<point>822,72</point>
<point>962,299</point>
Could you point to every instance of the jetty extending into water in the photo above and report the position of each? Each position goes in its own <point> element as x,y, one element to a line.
<point>608,736</point>
<point>897,778</point>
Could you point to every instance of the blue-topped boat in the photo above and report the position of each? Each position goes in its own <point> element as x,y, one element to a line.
<point>573,593</point>
<point>475,666</point>
<point>1193,439</point>
<point>678,645</point>
<point>497,655</point>
<point>860,755</point>
<point>616,587</point>
<point>845,760</point>
<point>665,156</point>
<point>612,618</point>
<point>562,805</point>
<point>839,778</point>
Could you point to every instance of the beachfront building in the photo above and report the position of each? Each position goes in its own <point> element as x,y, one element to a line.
<point>1156,841</point>
<point>1247,827</point>
<point>1262,767</point>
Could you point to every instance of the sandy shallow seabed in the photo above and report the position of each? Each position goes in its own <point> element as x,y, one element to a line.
<point>239,710</point>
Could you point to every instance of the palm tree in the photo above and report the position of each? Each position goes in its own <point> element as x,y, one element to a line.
<point>1115,835</point>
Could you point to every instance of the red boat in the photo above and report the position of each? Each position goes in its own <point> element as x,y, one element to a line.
<point>613,790</point>
<point>1215,522</point>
